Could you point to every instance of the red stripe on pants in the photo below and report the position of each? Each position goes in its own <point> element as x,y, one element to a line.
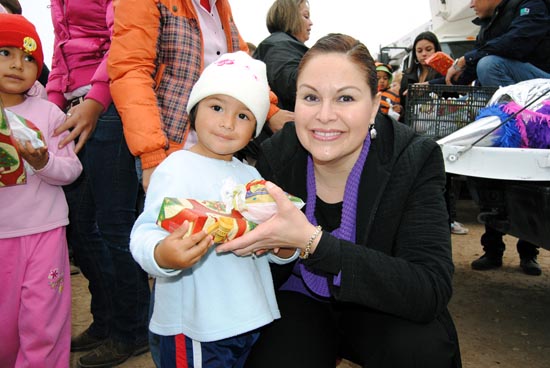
<point>181,352</point>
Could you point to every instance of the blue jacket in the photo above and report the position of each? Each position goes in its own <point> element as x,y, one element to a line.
<point>518,30</point>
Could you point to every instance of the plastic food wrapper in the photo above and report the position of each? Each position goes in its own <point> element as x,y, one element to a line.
<point>242,208</point>
<point>203,215</point>
<point>252,200</point>
<point>440,62</point>
<point>14,127</point>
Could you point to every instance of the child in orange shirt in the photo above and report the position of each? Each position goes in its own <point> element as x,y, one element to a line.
<point>389,101</point>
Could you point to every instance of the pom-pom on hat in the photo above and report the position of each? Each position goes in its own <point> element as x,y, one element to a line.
<point>17,31</point>
<point>237,75</point>
<point>380,67</point>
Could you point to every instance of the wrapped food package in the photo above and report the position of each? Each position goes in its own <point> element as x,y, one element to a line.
<point>440,62</point>
<point>12,127</point>
<point>209,216</point>
<point>10,160</point>
<point>242,208</point>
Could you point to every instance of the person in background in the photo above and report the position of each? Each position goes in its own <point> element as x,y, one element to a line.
<point>208,307</point>
<point>289,24</point>
<point>374,276</point>
<point>425,45</point>
<point>104,199</point>
<point>35,300</point>
<point>513,45</point>
<point>389,101</point>
<point>160,70</point>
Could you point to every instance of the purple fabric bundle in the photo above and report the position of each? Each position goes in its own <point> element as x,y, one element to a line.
<point>528,129</point>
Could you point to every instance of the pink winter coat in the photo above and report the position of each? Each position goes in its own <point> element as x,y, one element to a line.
<point>82,40</point>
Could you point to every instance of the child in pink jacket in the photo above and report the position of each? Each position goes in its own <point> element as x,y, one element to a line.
<point>35,300</point>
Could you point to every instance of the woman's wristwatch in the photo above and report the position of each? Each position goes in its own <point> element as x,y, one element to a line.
<point>456,67</point>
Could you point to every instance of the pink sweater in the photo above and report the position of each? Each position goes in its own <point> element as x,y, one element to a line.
<point>82,39</point>
<point>40,204</point>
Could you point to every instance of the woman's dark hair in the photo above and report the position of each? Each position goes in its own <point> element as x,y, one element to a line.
<point>284,16</point>
<point>357,52</point>
<point>12,6</point>
<point>430,37</point>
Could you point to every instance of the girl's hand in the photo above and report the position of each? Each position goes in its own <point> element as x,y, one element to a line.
<point>288,228</point>
<point>36,157</point>
<point>179,252</point>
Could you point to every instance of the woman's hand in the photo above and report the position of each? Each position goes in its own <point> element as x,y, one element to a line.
<point>36,157</point>
<point>81,121</point>
<point>288,228</point>
<point>179,252</point>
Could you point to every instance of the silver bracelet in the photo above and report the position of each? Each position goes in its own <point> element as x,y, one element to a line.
<point>305,253</point>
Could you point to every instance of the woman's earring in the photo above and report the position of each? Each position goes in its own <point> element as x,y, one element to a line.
<point>373,132</point>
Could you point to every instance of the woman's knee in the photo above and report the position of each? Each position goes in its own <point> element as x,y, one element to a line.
<point>408,344</point>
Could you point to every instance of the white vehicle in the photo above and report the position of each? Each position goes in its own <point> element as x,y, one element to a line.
<point>512,185</point>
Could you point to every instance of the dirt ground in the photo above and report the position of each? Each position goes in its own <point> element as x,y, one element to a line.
<point>502,316</point>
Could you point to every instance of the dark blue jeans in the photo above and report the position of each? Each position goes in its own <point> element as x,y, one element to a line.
<point>103,209</point>
<point>494,70</point>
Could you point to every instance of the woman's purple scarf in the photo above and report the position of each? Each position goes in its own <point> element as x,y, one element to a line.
<point>316,282</point>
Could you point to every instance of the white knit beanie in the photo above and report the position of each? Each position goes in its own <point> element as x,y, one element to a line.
<point>237,75</point>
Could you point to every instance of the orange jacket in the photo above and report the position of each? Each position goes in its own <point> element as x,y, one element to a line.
<point>156,56</point>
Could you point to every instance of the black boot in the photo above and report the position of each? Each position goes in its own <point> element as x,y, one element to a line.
<point>530,266</point>
<point>86,341</point>
<point>487,262</point>
<point>111,353</point>
<point>528,257</point>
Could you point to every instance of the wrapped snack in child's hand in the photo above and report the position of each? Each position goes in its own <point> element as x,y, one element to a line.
<point>25,131</point>
<point>253,201</point>
<point>11,162</point>
<point>210,216</point>
<point>13,127</point>
<point>241,209</point>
